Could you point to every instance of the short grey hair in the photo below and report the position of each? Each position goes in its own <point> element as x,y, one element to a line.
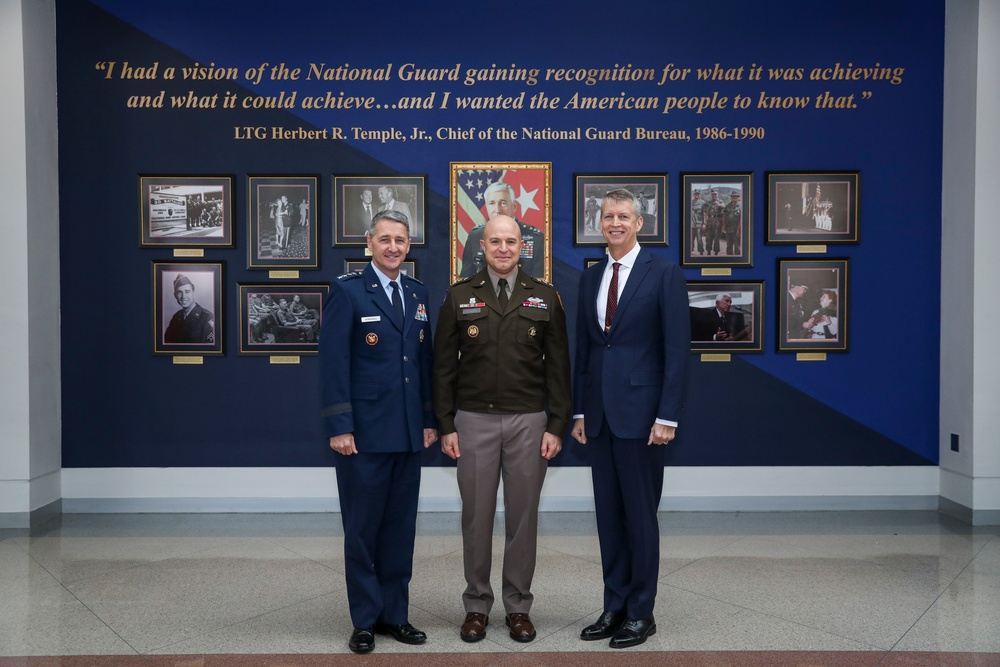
<point>500,185</point>
<point>621,194</point>
<point>392,216</point>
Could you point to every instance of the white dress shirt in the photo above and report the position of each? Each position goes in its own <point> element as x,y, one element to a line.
<point>626,264</point>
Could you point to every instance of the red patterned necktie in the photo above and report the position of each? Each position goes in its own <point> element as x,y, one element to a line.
<point>609,314</point>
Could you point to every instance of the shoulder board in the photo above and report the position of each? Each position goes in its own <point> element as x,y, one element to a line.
<point>542,282</point>
<point>412,278</point>
<point>352,274</point>
<point>462,280</point>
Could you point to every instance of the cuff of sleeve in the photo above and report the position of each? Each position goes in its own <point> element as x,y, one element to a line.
<point>666,422</point>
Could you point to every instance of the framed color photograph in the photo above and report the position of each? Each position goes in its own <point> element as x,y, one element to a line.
<point>726,317</point>
<point>649,189</point>
<point>282,223</point>
<point>590,261</point>
<point>186,211</point>
<point>482,190</point>
<point>408,267</point>
<point>187,308</point>
<point>356,200</point>
<point>281,319</point>
<point>812,305</point>
<point>813,207</point>
<point>717,219</point>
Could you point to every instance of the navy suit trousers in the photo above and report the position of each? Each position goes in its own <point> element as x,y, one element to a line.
<point>628,483</point>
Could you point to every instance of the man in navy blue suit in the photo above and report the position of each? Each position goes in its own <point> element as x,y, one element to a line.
<point>375,363</point>
<point>633,341</point>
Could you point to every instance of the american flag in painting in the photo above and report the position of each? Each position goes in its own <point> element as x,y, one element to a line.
<point>529,191</point>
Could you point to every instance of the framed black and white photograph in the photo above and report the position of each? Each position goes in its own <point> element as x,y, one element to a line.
<point>281,215</point>
<point>187,308</point>
<point>726,317</point>
<point>356,200</point>
<point>408,268</point>
<point>812,305</point>
<point>649,189</point>
<point>717,219</point>
<point>178,211</point>
<point>813,207</point>
<point>483,190</point>
<point>281,319</point>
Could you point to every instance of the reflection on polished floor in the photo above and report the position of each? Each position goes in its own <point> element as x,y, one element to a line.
<point>784,588</point>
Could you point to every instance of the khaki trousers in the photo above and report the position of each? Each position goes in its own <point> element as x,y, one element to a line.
<point>492,446</point>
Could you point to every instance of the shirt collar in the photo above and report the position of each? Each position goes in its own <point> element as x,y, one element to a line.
<point>494,278</point>
<point>628,260</point>
<point>385,280</point>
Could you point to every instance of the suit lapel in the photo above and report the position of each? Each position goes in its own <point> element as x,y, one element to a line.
<point>635,276</point>
<point>592,289</point>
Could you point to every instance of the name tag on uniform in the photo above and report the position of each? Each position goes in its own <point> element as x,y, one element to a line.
<point>372,318</point>
<point>470,311</point>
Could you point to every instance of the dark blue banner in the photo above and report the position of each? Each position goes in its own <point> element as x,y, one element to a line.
<point>319,89</point>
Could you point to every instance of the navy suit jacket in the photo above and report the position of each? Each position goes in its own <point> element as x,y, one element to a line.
<point>376,371</point>
<point>637,372</point>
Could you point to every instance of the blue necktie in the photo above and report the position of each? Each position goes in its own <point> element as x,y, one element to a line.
<point>397,301</point>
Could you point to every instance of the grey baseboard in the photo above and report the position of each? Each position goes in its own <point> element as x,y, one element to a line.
<point>34,518</point>
<point>557,504</point>
<point>968,515</point>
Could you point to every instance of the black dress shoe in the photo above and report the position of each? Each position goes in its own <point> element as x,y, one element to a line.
<point>633,632</point>
<point>404,633</point>
<point>606,626</point>
<point>362,640</point>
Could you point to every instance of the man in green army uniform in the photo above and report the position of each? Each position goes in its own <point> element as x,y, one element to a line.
<point>502,400</point>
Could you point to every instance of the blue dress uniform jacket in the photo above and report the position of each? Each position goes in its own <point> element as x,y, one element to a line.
<point>372,366</point>
<point>376,384</point>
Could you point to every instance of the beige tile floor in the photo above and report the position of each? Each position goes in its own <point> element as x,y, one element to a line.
<point>199,584</point>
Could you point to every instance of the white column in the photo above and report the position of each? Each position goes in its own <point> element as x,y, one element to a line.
<point>30,429</point>
<point>970,268</point>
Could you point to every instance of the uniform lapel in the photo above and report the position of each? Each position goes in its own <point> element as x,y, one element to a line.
<point>378,295</point>
<point>482,286</point>
<point>410,303</point>
<point>521,291</point>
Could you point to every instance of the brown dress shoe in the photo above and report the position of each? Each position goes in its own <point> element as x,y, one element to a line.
<point>474,627</point>
<point>521,628</point>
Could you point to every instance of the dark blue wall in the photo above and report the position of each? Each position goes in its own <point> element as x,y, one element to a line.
<point>874,405</point>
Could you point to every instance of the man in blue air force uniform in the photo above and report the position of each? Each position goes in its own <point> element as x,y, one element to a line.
<point>375,364</point>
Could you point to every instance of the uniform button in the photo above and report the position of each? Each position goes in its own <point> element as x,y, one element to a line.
<point>608,346</point>
<point>406,380</point>
<point>405,358</point>
<point>491,406</point>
